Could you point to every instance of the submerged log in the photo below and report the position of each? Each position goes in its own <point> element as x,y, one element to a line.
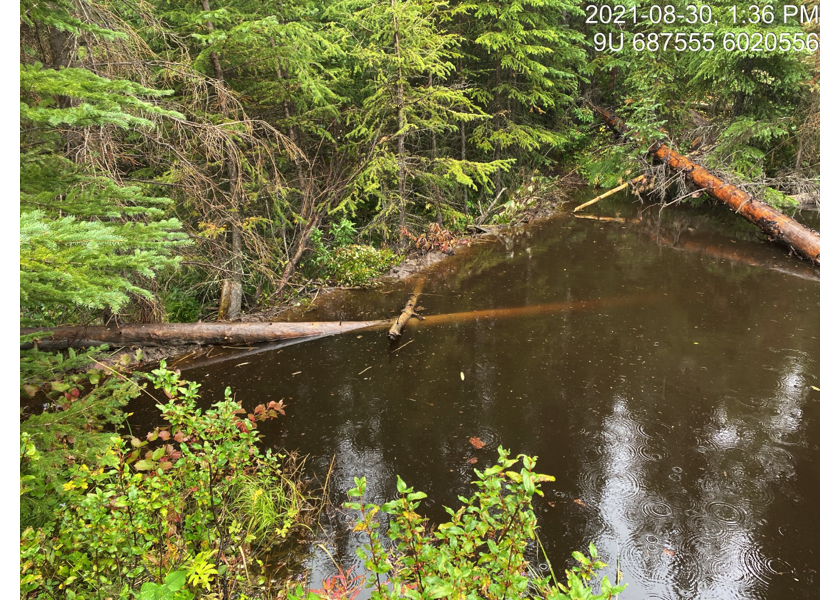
<point>175,334</point>
<point>407,312</point>
<point>804,241</point>
<point>610,219</point>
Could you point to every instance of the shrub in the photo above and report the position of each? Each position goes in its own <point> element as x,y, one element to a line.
<point>479,553</point>
<point>182,511</point>
<point>352,264</point>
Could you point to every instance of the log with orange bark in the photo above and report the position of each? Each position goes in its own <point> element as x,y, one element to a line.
<point>804,242</point>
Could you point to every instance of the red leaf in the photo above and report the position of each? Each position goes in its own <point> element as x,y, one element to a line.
<point>278,406</point>
<point>477,443</point>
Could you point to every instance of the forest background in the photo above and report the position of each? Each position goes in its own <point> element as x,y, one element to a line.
<point>185,160</point>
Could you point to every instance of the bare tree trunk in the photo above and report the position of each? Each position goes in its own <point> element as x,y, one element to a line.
<point>287,111</point>
<point>463,131</point>
<point>400,117</point>
<point>497,153</point>
<point>60,58</point>
<point>464,157</point>
<point>230,303</point>
<point>230,300</point>
<point>214,58</point>
<point>436,191</point>
<point>301,248</point>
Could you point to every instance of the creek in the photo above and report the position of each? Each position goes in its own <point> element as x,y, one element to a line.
<point>663,367</point>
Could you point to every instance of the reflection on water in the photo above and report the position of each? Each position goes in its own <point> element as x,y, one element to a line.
<point>668,389</point>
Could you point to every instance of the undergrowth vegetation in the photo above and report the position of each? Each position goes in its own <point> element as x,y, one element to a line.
<point>186,510</point>
<point>480,553</point>
<point>336,260</point>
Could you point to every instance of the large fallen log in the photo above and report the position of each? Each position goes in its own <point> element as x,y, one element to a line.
<point>174,334</point>
<point>804,242</point>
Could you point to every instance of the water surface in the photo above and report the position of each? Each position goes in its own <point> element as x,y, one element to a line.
<point>669,389</point>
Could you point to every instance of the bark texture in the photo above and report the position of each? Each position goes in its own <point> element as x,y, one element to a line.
<point>407,312</point>
<point>170,334</point>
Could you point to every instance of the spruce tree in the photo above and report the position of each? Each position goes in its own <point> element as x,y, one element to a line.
<point>405,59</point>
<point>87,241</point>
<point>530,57</point>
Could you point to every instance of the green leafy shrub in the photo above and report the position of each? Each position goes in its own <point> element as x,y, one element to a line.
<point>357,265</point>
<point>779,199</point>
<point>353,264</point>
<point>165,514</point>
<point>343,233</point>
<point>480,553</point>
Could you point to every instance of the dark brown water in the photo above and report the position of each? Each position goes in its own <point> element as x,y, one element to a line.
<point>661,370</point>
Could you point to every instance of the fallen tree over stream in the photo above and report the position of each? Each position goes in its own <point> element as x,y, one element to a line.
<point>175,334</point>
<point>803,241</point>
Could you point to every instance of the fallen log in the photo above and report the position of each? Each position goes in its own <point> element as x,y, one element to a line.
<point>546,310</point>
<point>174,334</point>
<point>610,219</point>
<point>802,240</point>
<point>407,312</point>
<point>610,193</point>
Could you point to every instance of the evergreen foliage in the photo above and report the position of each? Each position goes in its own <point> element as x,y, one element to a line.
<point>86,241</point>
<point>240,138</point>
<point>265,123</point>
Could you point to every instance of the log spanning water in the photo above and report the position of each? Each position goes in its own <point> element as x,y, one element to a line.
<point>396,329</point>
<point>232,334</point>
<point>802,240</point>
<point>495,314</point>
<point>176,334</point>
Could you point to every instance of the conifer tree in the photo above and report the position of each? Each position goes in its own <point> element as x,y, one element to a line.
<point>405,59</point>
<point>86,240</point>
<point>529,55</point>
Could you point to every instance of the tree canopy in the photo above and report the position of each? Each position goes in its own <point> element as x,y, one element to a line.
<point>179,158</point>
